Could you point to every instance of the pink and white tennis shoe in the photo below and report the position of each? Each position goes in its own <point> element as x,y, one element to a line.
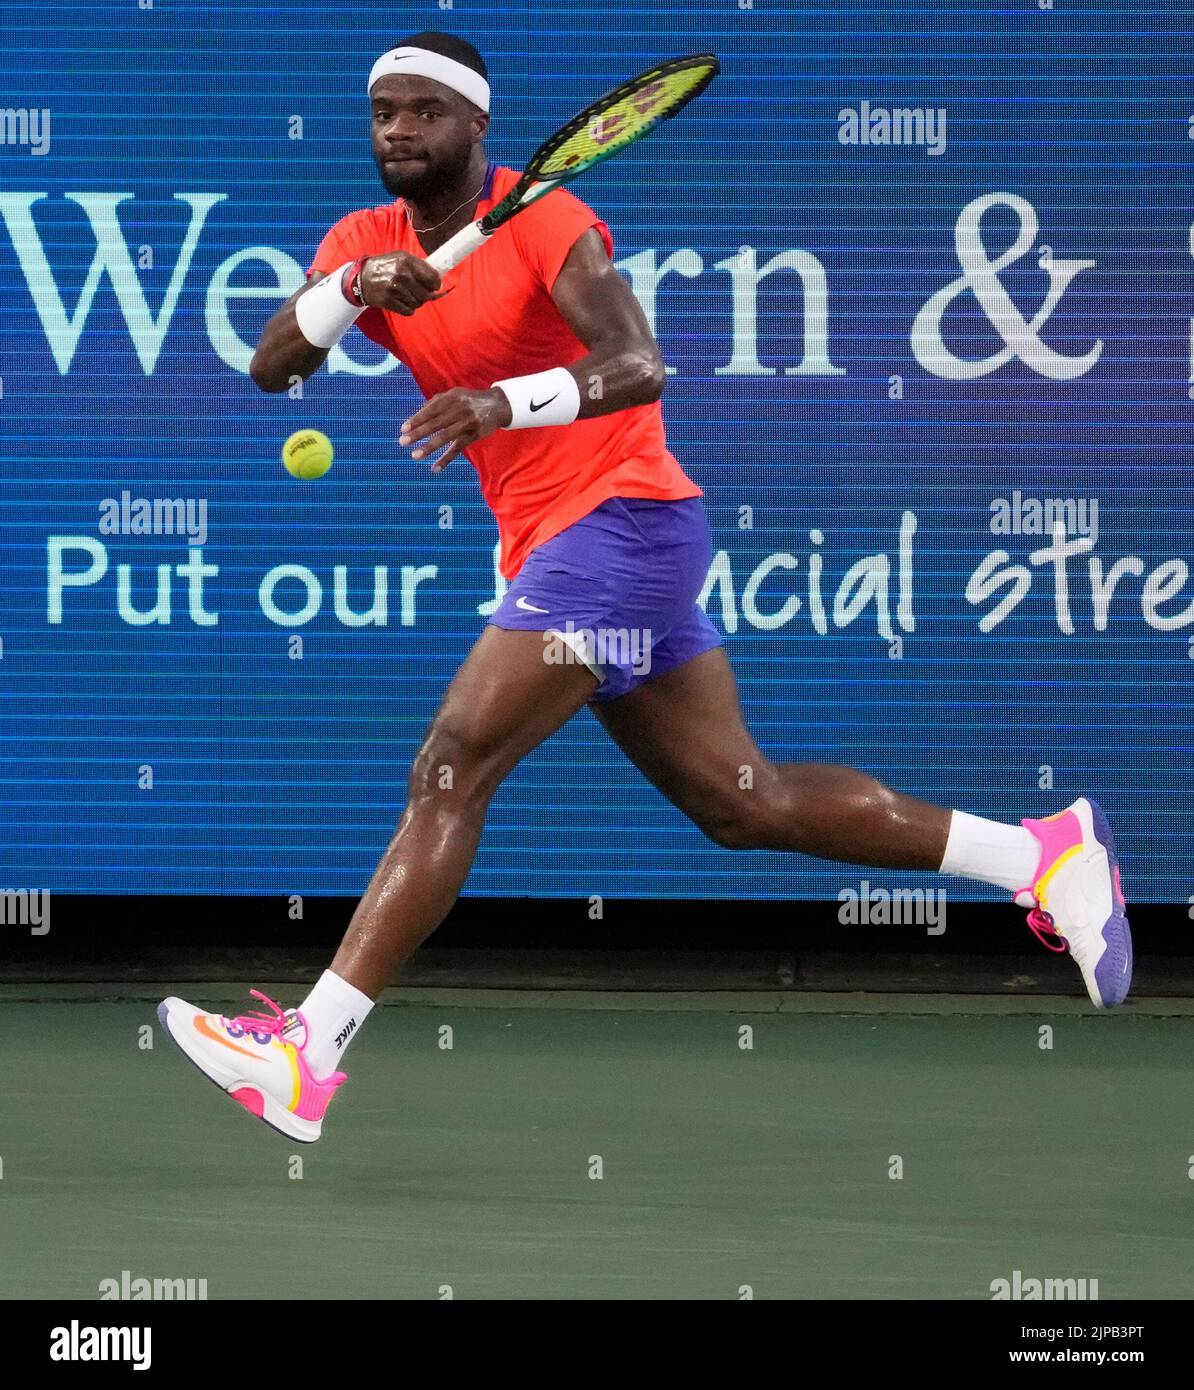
<point>1076,896</point>
<point>258,1060</point>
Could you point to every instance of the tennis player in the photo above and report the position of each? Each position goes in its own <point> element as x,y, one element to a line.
<point>537,365</point>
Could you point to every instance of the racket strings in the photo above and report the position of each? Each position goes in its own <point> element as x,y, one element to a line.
<point>620,118</point>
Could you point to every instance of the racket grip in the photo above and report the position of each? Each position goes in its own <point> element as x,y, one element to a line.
<point>456,248</point>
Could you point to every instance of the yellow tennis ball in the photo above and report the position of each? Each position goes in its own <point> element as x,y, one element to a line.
<point>307,454</point>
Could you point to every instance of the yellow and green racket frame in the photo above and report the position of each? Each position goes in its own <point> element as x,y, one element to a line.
<point>603,129</point>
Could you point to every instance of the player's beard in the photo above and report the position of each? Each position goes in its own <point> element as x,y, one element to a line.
<point>429,181</point>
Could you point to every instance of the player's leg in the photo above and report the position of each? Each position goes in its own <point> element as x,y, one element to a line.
<point>505,700</point>
<point>685,731</point>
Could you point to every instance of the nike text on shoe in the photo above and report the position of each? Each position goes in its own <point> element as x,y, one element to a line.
<point>258,1060</point>
<point>1076,895</point>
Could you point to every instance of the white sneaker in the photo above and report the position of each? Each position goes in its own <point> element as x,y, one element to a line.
<point>1076,895</point>
<point>258,1060</point>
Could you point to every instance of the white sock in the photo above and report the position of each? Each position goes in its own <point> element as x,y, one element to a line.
<point>1005,855</point>
<point>334,1010</point>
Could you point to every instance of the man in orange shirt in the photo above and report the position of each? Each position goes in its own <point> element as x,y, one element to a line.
<point>539,367</point>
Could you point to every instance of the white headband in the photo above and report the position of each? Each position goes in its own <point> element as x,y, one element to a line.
<point>421,62</point>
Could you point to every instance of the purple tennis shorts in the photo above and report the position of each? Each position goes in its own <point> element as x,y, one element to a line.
<point>617,591</point>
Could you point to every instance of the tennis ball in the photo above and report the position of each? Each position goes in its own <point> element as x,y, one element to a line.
<point>307,454</point>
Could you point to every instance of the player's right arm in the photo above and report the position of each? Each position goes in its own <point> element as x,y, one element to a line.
<point>396,281</point>
<point>282,351</point>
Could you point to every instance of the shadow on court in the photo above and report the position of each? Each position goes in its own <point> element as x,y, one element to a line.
<point>638,1151</point>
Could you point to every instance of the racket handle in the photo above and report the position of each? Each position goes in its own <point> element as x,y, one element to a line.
<point>457,247</point>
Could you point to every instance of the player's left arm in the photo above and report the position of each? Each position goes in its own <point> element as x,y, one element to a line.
<point>623,367</point>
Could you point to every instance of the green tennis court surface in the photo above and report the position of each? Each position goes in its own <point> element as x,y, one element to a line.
<point>474,1167</point>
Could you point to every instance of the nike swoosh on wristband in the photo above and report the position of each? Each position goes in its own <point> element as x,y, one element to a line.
<point>541,404</point>
<point>529,607</point>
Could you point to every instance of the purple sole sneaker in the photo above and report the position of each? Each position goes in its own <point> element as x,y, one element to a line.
<point>1077,896</point>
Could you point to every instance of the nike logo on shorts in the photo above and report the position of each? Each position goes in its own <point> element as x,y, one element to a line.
<point>529,607</point>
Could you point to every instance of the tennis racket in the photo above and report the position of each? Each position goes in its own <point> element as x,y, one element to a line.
<point>604,128</point>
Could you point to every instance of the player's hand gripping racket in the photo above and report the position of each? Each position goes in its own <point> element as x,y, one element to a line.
<point>606,127</point>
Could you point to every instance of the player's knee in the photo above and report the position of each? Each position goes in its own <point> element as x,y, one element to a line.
<point>741,824</point>
<point>752,817</point>
<point>728,834</point>
<point>456,759</point>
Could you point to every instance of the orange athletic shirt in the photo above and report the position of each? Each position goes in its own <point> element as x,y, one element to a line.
<point>501,321</point>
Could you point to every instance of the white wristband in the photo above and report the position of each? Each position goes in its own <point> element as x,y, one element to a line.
<point>323,314</point>
<point>543,398</point>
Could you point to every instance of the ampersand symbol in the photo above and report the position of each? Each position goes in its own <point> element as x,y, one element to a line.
<point>980,276</point>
